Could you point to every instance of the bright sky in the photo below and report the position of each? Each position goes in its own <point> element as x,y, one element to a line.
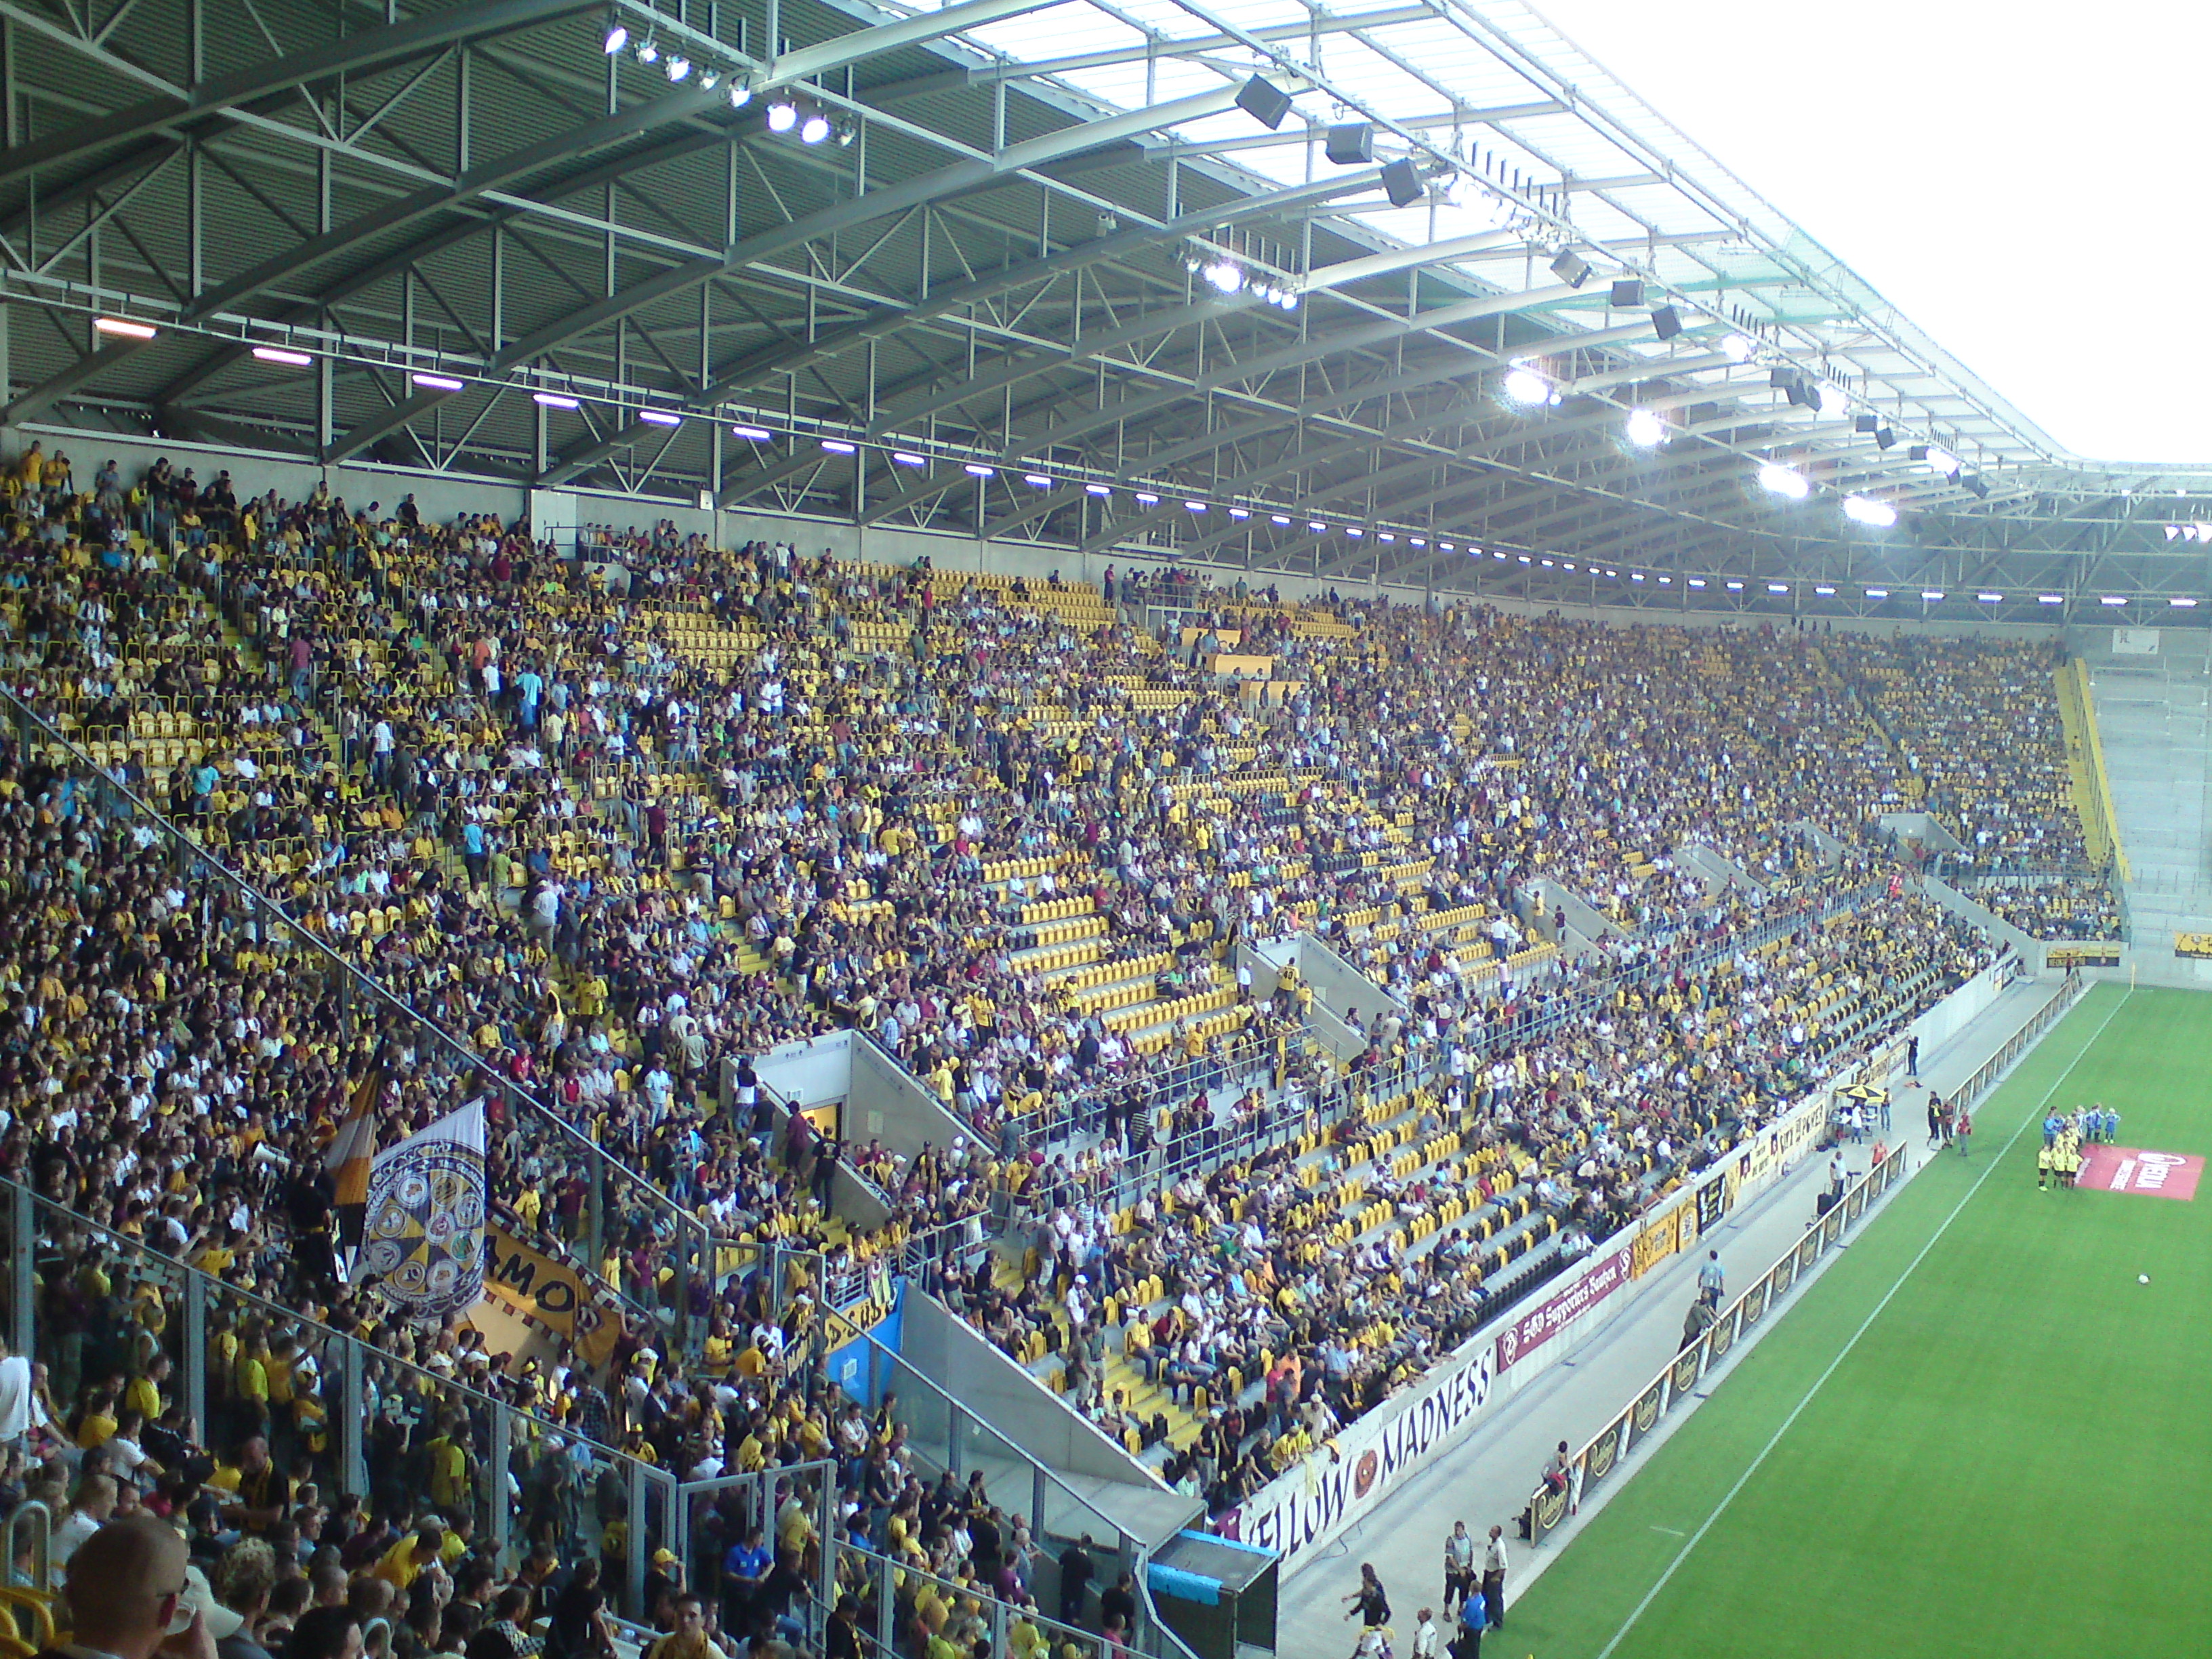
<point>2019,180</point>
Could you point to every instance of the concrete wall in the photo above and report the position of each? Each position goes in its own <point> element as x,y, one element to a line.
<point>1585,922</point>
<point>2029,948</point>
<point>952,1353</point>
<point>886,1103</point>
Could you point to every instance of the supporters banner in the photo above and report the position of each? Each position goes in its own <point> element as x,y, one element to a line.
<point>1531,1331</point>
<point>1655,1242</point>
<point>553,1295</point>
<point>1308,1507</point>
<point>1713,1201</point>
<point>423,1239</point>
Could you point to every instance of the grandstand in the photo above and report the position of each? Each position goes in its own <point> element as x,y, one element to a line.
<point>919,818</point>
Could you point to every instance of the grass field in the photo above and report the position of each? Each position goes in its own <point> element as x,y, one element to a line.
<point>2007,1455</point>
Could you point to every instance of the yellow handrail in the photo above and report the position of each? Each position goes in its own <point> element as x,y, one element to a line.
<point>2092,784</point>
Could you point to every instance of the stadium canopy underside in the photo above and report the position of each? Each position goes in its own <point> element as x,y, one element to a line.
<point>1082,274</point>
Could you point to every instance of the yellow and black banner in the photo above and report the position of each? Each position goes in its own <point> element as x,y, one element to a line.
<point>2096,953</point>
<point>1658,1240</point>
<point>551,1294</point>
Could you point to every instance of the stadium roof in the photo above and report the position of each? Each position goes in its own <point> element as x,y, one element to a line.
<point>1039,275</point>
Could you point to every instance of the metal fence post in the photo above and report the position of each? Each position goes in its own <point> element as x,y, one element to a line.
<point>634,1579</point>
<point>887,1607</point>
<point>196,1352</point>
<point>21,1273</point>
<point>353,1424</point>
<point>502,1450</point>
<point>955,1419</point>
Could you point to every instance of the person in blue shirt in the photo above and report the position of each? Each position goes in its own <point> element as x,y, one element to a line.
<point>744,1568</point>
<point>1473,1619</point>
<point>2051,1125</point>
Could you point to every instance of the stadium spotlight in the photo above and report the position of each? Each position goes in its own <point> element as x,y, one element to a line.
<point>1264,102</point>
<point>667,418</point>
<point>908,457</point>
<point>839,447</point>
<point>1097,489</point>
<point>1036,480</point>
<point>618,37</point>
<point>436,382</point>
<point>1282,519</point>
<point>1666,322</point>
<point>2051,599</point>
<point>1627,295</point>
<point>2179,602</point>
<point>1645,429</point>
<point>1526,387</point>
<point>1315,525</point>
<point>1784,481</point>
<point>1884,437</point>
<point>279,355</point>
<point>977,470</point>
<point>649,50</point>
<point>782,115</point>
<point>1980,491</point>
<point>1833,402</point>
<point>1147,498</point>
<point>1570,267</point>
<point>1224,276</point>
<point>1352,143</point>
<point>2113,598</point>
<point>678,67</point>
<point>1866,422</point>
<point>814,129</point>
<point>553,400</point>
<point>1737,346</point>
<point>1930,595</point>
<point>124,328</point>
<point>1990,598</point>
<point>1876,515</point>
<point>741,94</point>
<point>756,434</point>
<point>1877,593</point>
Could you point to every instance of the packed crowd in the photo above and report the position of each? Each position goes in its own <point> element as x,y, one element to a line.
<point>2051,906</point>
<point>611,824</point>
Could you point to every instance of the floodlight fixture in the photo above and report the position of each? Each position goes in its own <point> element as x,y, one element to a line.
<point>667,418</point>
<point>124,328</point>
<point>1666,322</point>
<point>782,115</point>
<point>1570,267</point>
<point>1645,429</point>
<point>1864,509</point>
<point>1784,481</point>
<point>280,355</point>
<point>1526,387</point>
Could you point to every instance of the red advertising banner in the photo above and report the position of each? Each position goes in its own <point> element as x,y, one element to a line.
<point>2148,1174</point>
<point>1531,1331</point>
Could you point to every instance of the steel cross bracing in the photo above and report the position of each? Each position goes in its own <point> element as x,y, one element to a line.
<point>990,272</point>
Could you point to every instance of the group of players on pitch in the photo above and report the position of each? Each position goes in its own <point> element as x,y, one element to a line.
<point>2058,1163</point>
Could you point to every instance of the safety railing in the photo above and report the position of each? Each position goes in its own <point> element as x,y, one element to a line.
<point>1602,1455</point>
<point>230,1366</point>
<point>620,1201</point>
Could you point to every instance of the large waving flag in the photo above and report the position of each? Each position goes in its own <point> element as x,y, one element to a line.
<point>350,1157</point>
<point>423,1243</point>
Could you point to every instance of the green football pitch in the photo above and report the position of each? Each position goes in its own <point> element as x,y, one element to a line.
<point>1976,1434</point>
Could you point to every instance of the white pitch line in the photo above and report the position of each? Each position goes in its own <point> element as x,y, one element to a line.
<point>1744,1480</point>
